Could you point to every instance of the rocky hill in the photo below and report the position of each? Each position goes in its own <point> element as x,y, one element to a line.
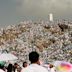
<point>53,41</point>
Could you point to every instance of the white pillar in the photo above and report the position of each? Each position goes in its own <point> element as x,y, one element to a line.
<point>51,17</point>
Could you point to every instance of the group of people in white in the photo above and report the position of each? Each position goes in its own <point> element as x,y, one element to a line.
<point>34,65</point>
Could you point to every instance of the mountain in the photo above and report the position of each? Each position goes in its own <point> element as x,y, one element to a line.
<point>52,40</point>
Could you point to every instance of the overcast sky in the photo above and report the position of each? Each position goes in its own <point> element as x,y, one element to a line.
<point>14,11</point>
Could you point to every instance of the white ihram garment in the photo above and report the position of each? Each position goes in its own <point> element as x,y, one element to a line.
<point>1,70</point>
<point>34,68</point>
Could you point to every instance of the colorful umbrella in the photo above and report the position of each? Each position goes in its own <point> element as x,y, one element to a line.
<point>62,66</point>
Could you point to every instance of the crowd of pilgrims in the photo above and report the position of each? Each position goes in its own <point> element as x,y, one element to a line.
<point>34,66</point>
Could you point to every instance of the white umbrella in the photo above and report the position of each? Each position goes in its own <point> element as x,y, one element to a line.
<point>7,57</point>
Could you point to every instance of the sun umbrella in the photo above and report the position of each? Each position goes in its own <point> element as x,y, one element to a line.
<point>7,57</point>
<point>62,66</point>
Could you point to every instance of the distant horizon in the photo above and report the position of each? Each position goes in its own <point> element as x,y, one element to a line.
<point>6,25</point>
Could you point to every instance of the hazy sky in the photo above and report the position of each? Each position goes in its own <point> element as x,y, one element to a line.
<point>14,11</point>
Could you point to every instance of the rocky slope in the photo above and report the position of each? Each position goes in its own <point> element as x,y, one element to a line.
<point>53,41</point>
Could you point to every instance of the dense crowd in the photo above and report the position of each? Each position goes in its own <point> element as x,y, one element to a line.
<point>34,66</point>
<point>52,40</point>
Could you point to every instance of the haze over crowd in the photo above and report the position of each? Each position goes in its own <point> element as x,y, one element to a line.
<point>14,11</point>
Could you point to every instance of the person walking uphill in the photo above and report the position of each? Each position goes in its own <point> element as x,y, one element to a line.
<point>35,64</point>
